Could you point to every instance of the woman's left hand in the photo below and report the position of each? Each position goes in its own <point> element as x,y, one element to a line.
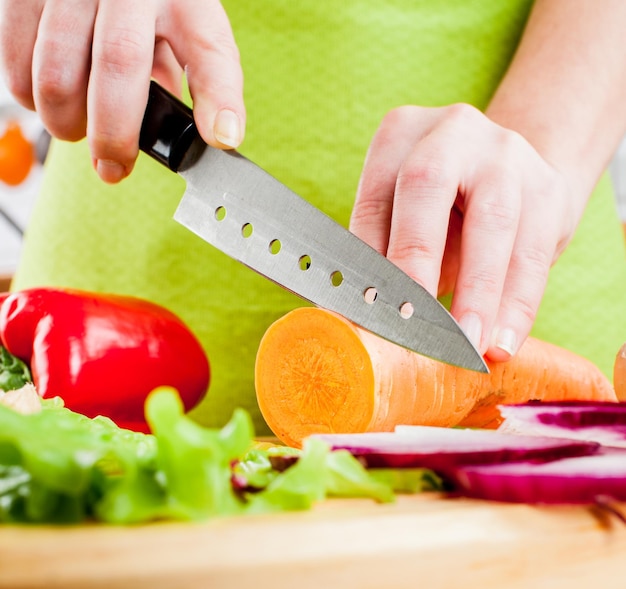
<point>462,204</point>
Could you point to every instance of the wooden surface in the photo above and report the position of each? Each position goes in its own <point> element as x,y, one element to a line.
<point>421,541</point>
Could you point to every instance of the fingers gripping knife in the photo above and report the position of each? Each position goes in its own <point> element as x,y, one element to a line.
<point>240,209</point>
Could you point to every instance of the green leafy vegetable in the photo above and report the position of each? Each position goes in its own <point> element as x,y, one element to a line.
<point>407,480</point>
<point>57,466</point>
<point>347,477</point>
<point>299,486</point>
<point>14,374</point>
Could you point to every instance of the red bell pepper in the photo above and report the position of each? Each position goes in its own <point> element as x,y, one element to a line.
<point>102,353</point>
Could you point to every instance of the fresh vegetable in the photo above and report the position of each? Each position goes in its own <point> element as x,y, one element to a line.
<point>318,373</point>
<point>23,400</point>
<point>619,374</point>
<point>58,466</point>
<point>583,480</point>
<point>317,474</point>
<point>102,353</point>
<point>443,449</point>
<point>515,464</point>
<point>340,474</point>
<point>408,480</point>
<point>17,155</point>
<point>584,420</point>
<point>14,373</point>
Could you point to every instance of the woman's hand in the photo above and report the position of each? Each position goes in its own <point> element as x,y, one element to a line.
<point>484,204</point>
<point>85,66</point>
<point>461,203</point>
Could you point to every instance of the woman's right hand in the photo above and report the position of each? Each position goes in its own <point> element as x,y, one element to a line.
<point>85,67</point>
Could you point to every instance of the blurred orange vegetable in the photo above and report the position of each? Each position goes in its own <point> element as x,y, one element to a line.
<point>17,155</point>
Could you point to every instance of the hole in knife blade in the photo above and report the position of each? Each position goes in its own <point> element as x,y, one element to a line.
<point>275,246</point>
<point>304,262</point>
<point>406,310</point>
<point>370,294</point>
<point>246,229</point>
<point>336,278</point>
<point>220,213</point>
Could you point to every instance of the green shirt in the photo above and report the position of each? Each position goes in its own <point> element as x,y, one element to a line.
<point>319,77</point>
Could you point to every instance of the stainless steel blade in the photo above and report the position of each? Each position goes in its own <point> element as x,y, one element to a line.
<point>239,208</point>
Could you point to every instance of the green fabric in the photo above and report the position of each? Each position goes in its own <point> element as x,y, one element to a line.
<point>320,75</point>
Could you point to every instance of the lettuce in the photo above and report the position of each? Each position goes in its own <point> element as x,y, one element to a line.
<point>57,466</point>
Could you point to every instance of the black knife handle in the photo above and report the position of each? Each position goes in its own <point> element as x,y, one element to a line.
<point>168,130</point>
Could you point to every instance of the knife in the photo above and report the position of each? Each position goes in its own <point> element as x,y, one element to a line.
<point>236,206</point>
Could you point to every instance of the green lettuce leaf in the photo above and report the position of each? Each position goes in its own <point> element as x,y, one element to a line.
<point>57,466</point>
<point>14,373</point>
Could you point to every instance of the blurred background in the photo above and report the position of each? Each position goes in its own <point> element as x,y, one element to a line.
<point>23,148</point>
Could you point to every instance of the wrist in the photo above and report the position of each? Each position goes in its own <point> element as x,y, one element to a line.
<point>579,160</point>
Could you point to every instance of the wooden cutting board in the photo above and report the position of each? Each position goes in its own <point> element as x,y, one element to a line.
<point>420,541</point>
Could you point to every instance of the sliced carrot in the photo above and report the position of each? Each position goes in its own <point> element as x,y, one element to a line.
<point>619,373</point>
<point>317,373</point>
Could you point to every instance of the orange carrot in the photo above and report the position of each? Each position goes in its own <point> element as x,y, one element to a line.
<point>316,372</point>
<point>619,373</point>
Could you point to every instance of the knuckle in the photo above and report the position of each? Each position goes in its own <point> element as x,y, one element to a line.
<point>462,114</point>
<point>56,83</point>
<point>224,44</point>
<point>405,249</point>
<point>123,48</point>
<point>370,208</point>
<point>509,145</point>
<point>423,175</point>
<point>479,280</point>
<point>397,116</point>
<point>401,117</point>
<point>497,215</point>
<point>535,261</point>
<point>53,87</point>
<point>220,43</point>
<point>523,306</point>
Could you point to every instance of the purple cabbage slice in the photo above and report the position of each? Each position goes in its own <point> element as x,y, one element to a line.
<point>443,449</point>
<point>599,479</point>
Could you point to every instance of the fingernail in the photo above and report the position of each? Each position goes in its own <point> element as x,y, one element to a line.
<point>506,340</point>
<point>473,328</point>
<point>110,171</point>
<point>227,128</point>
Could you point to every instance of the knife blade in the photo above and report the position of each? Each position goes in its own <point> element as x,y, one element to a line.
<point>237,207</point>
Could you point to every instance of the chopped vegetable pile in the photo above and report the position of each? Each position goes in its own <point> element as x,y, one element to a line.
<point>57,466</point>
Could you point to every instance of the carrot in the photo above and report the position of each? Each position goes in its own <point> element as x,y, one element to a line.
<point>316,372</point>
<point>619,373</point>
